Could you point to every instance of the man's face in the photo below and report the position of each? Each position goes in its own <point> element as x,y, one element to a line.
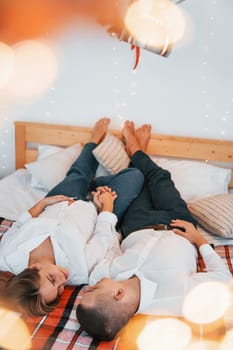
<point>52,281</point>
<point>105,286</point>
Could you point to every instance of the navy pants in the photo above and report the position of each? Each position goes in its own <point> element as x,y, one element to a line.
<point>158,203</point>
<point>79,180</point>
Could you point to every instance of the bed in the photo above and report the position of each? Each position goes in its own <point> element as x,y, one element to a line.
<point>38,145</point>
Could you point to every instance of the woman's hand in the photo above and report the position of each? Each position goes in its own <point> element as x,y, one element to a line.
<point>37,209</point>
<point>191,233</point>
<point>104,198</point>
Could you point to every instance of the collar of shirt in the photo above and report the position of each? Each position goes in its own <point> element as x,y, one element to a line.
<point>147,292</point>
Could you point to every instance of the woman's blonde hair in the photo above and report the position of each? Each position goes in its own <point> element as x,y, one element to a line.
<point>21,293</point>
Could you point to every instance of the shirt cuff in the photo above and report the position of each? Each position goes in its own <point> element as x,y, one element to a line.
<point>205,249</point>
<point>107,216</point>
<point>24,216</point>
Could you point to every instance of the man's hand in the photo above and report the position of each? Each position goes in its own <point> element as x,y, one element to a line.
<point>104,198</point>
<point>37,209</point>
<point>191,233</point>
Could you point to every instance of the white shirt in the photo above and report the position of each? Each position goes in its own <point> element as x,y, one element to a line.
<point>166,265</point>
<point>80,238</point>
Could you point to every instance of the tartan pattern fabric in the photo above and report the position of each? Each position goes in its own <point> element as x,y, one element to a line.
<point>4,225</point>
<point>60,330</point>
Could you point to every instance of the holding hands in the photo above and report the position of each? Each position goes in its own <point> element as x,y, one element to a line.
<point>104,198</point>
<point>191,233</point>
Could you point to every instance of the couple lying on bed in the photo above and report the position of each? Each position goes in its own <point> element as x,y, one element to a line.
<point>75,241</point>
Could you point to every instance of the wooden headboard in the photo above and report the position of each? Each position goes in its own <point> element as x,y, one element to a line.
<point>163,145</point>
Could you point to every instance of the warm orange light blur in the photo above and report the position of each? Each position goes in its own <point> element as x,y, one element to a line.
<point>35,69</point>
<point>203,345</point>
<point>7,60</point>
<point>26,19</point>
<point>164,334</point>
<point>227,343</point>
<point>207,302</point>
<point>155,23</point>
<point>14,334</point>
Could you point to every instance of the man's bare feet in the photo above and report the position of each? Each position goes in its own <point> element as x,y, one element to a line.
<point>143,135</point>
<point>99,130</point>
<point>130,140</point>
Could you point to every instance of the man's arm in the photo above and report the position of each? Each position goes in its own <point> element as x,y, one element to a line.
<point>216,269</point>
<point>105,236</point>
<point>104,198</point>
<point>188,231</point>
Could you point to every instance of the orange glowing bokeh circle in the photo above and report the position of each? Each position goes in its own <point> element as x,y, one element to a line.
<point>35,70</point>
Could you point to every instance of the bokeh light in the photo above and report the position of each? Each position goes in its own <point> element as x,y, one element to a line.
<point>7,60</point>
<point>203,345</point>
<point>227,343</point>
<point>164,334</point>
<point>14,334</point>
<point>35,70</point>
<point>206,302</point>
<point>155,23</point>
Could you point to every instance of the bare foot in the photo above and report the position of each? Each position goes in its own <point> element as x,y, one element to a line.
<point>130,140</point>
<point>143,135</point>
<point>99,130</point>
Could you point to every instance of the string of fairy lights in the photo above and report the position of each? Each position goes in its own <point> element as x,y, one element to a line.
<point>4,131</point>
<point>226,115</point>
<point>121,103</point>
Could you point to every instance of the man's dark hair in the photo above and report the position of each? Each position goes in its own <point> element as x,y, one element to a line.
<point>104,320</point>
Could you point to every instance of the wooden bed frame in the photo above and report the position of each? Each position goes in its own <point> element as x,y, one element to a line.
<point>163,145</point>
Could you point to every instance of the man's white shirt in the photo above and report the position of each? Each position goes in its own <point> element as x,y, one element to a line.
<point>166,265</point>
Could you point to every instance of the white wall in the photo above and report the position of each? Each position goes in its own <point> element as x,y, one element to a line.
<point>188,93</point>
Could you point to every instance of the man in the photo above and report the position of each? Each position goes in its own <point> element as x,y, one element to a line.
<point>156,268</point>
<point>61,238</point>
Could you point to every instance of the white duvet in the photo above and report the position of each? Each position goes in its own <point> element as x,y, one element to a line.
<point>17,194</point>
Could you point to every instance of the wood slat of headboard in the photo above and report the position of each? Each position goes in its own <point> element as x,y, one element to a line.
<point>231,182</point>
<point>163,145</point>
<point>191,148</point>
<point>62,135</point>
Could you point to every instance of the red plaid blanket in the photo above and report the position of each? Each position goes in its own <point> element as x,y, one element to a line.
<point>60,330</point>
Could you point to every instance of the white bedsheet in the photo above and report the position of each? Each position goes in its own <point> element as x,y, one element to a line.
<point>17,195</point>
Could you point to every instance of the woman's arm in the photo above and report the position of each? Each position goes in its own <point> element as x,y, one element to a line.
<point>37,209</point>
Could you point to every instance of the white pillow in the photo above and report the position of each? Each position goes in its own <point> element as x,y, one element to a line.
<point>196,180</point>
<point>49,171</point>
<point>47,150</point>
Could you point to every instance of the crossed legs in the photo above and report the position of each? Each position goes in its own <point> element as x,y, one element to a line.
<point>127,183</point>
<point>160,201</point>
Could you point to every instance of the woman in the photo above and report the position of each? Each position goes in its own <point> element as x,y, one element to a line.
<point>61,238</point>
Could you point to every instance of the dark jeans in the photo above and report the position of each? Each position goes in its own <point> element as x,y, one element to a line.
<point>79,180</point>
<point>158,203</point>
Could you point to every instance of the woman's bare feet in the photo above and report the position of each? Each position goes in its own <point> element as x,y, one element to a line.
<point>130,140</point>
<point>143,135</point>
<point>99,130</point>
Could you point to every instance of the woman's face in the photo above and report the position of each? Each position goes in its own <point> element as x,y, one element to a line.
<point>52,280</point>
